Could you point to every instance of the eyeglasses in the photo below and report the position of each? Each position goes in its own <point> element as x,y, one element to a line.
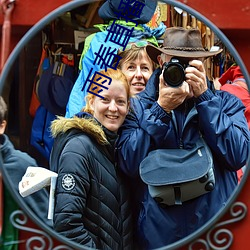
<point>138,44</point>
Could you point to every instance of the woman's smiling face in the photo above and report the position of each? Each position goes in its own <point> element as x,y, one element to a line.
<point>111,110</point>
<point>138,72</point>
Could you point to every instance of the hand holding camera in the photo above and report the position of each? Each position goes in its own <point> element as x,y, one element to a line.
<point>196,77</point>
<point>174,71</point>
<point>169,97</point>
<point>178,70</point>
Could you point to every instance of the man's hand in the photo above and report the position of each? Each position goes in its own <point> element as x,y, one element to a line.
<point>196,77</point>
<point>169,97</point>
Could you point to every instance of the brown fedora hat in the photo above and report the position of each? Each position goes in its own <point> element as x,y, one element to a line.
<point>181,42</point>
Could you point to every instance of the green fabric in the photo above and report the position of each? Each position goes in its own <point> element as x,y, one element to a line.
<point>10,233</point>
<point>103,27</point>
<point>86,47</point>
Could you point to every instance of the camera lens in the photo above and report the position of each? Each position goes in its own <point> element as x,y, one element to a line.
<point>174,73</point>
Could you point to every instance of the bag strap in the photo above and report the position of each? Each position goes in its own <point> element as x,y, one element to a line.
<point>190,115</point>
<point>177,195</point>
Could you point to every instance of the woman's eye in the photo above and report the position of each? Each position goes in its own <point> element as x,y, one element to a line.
<point>105,99</point>
<point>145,68</point>
<point>121,102</point>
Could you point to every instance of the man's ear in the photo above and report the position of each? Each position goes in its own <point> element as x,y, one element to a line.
<point>160,61</point>
<point>2,127</point>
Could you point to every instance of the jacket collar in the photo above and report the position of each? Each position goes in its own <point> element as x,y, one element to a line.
<point>86,123</point>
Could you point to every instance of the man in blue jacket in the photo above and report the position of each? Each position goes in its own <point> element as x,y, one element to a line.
<point>15,163</point>
<point>163,117</point>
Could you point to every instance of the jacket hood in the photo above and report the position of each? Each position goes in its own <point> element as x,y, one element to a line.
<point>85,123</point>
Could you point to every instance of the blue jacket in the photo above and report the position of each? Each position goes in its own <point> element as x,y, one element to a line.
<point>220,118</point>
<point>16,163</point>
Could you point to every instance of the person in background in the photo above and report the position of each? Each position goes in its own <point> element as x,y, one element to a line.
<point>108,12</point>
<point>91,198</point>
<point>164,117</point>
<point>233,81</point>
<point>15,163</point>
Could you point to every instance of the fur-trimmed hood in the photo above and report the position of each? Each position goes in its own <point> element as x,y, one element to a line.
<point>84,122</point>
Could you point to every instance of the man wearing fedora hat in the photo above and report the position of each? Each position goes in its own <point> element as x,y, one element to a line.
<point>178,105</point>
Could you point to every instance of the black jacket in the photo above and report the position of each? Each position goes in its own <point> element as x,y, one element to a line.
<point>91,203</point>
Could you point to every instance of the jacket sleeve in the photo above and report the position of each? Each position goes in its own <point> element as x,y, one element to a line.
<point>72,187</point>
<point>142,130</point>
<point>16,165</point>
<point>221,116</point>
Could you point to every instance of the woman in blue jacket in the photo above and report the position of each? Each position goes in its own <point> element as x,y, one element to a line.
<point>174,117</point>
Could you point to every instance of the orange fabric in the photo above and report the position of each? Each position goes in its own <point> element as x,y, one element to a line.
<point>35,103</point>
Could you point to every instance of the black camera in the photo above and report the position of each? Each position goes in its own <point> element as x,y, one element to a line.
<point>174,71</point>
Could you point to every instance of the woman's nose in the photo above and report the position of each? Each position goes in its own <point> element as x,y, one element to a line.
<point>138,72</point>
<point>112,106</point>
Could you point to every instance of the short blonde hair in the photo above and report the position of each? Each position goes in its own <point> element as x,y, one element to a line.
<point>134,53</point>
<point>114,74</point>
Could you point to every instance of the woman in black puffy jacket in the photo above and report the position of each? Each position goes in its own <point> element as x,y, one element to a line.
<point>91,201</point>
